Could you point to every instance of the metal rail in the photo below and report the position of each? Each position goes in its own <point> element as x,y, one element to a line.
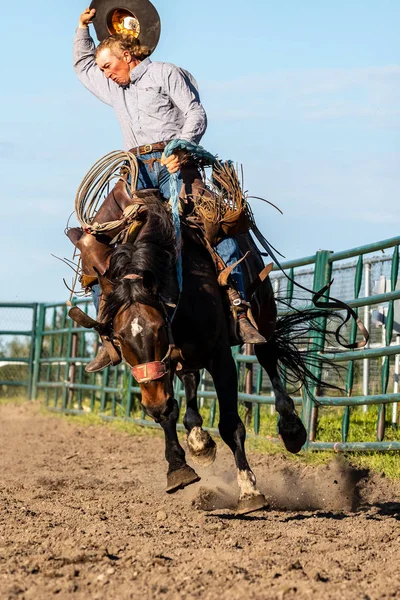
<point>59,352</point>
<point>8,362</point>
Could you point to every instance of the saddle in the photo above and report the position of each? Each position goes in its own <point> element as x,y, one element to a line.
<point>205,219</point>
<point>120,218</point>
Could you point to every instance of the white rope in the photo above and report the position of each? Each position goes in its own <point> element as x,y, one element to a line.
<point>98,178</point>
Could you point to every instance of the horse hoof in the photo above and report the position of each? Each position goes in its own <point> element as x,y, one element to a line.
<point>249,504</point>
<point>179,479</point>
<point>292,433</point>
<point>201,447</point>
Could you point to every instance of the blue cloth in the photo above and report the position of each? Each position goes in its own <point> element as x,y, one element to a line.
<point>155,176</point>
<point>158,177</point>
<point>228,250</point>
<point>96,293</point>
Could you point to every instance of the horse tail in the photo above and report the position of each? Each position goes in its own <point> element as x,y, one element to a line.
<point>297,364</point>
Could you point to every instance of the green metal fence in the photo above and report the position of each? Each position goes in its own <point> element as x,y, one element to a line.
<point>17,337</point>
<point>367,281</point>
<point>326,265</point>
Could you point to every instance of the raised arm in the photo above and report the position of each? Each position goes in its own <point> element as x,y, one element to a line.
<point>183,92</point>
<point>84,60</point>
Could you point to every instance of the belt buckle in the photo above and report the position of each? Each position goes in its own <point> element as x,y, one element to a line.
<point>148,148</point>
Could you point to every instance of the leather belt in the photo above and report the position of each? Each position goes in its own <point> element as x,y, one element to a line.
<point>157,147</point>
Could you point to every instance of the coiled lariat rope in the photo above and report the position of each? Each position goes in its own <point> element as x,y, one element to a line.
<point>116,165</point>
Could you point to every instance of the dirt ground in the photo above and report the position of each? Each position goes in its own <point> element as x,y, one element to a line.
<point>84,514</point>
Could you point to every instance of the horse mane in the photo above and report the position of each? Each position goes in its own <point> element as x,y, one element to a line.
<point>153,256</point>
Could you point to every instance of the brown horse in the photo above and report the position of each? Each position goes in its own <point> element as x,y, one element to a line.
<point>137,289</point>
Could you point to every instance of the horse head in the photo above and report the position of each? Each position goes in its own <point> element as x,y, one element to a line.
<point>131,290</point>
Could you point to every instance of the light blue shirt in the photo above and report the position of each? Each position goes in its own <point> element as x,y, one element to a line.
<point>161,102</point>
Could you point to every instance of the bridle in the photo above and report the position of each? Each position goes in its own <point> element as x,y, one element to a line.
<point>152,371</point>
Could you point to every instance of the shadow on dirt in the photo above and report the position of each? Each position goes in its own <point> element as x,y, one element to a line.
<point>379,510</point>
<point>384,509</point>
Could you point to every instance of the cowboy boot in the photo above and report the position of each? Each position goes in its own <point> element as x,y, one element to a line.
<point>100,362</point>
<point>247,333</point>
<point>104,357</point>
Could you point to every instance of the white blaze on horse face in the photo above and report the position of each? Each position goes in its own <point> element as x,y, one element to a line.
<point>247,484</point>
<point>136,328</point>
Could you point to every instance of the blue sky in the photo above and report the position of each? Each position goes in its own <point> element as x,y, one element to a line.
<point>306,95</point>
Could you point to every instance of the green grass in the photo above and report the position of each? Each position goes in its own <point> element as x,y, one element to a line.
<point>362,428</point>
<point>17,400</point>
<point>380,462</point>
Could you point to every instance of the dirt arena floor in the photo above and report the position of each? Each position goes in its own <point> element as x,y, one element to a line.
<point>84,514</point>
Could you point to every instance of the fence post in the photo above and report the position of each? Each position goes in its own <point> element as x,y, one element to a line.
<point>385,372</point>
<point>72,366</point>
<point>32,351</point>
<point>322,276</point>
<point>37,351</point>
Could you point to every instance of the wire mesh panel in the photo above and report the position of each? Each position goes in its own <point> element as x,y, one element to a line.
<point>369,375</point>
<point>359,413</point>
<point>17,335</point>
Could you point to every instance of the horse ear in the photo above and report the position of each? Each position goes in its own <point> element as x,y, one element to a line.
<point>105,284</point>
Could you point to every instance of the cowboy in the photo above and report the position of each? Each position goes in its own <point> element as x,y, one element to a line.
<point>155,102</point>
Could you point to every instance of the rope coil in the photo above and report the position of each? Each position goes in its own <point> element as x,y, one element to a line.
<point>97,179</point>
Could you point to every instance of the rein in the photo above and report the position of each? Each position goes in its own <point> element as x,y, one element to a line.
<point>319,299</point>
<point>151,371</point>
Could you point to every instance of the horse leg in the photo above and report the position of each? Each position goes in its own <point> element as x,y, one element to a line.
<point>232,430</point>
<point>179,473</point>
<point>201,447</point>
<point>291,429</point>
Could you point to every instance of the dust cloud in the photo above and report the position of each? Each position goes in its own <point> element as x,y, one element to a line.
<point>288,487</point>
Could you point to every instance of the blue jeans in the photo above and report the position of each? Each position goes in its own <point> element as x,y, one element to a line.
<point>157,176</point>
<point>153,175</point>
<point>228,250</point>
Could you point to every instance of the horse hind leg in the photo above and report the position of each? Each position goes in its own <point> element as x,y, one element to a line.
<point>291,429</point>
<point>200,446</point>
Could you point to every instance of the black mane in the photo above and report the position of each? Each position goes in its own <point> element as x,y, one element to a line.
<point>152,255</point>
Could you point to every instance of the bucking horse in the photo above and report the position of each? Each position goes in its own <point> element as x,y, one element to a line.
<point>161,333</point>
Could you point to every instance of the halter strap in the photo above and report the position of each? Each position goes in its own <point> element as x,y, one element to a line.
<point>150,371</point>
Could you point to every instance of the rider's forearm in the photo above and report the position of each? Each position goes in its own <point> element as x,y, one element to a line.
<point>85,65</point>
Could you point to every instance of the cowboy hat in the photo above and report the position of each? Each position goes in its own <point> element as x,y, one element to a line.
<point>138,17</point>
